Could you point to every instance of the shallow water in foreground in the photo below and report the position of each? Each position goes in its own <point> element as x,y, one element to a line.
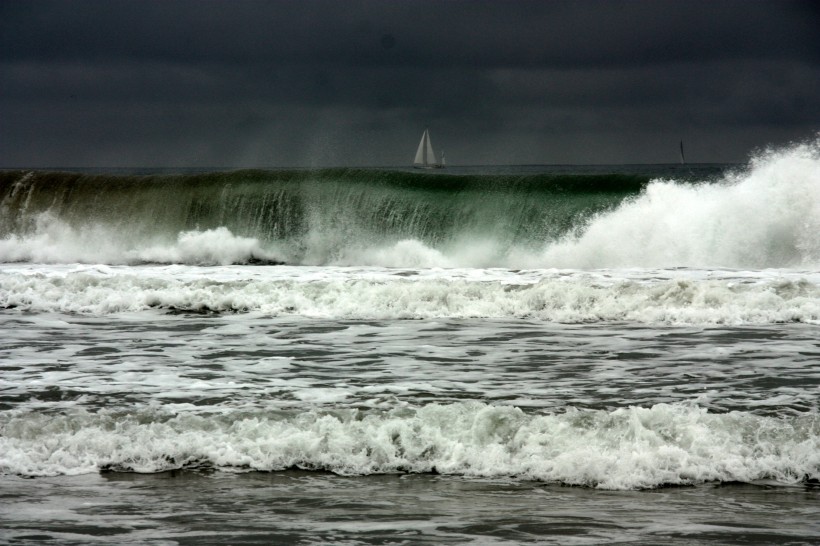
<point>316,508</point>
<point>168,428</point>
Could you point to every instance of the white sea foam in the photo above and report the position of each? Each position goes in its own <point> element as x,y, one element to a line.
<point>55,241</point>
<point>654,296</point>
<point>210,247</point>
<point>621,449</point>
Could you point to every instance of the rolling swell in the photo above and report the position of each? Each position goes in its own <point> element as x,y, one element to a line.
<point>294,216</point>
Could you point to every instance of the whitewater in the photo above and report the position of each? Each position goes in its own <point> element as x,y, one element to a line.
<point>545,354</point>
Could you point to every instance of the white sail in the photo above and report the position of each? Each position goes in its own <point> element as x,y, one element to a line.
<point>425,156</point>
<point>420,152</point>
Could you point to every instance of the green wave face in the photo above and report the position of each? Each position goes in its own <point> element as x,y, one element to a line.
<point>315,216</point>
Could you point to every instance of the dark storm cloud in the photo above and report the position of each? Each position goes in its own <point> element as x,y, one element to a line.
<point>422,33</point>
<point>263,83</point>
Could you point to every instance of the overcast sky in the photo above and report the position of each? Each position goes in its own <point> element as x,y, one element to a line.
<point>273,84</point>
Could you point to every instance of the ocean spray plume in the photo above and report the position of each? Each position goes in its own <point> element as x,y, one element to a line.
<point>767,215</point>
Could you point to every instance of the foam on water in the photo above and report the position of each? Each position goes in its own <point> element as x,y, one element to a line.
<point>655,296</point>
<point>622,449</point>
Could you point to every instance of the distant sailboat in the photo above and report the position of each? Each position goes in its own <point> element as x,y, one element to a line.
<point>425,157</point>
<point>682,160</point>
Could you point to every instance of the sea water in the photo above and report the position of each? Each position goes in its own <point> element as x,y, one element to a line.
<point>568,355</point>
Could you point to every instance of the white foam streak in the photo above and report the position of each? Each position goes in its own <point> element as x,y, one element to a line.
<point>622,449</point>
<point>655,297</point>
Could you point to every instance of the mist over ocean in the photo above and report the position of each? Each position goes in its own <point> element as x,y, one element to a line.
<point>573,354</point>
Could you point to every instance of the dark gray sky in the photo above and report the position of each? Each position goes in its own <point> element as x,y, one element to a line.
<point>265,84</point>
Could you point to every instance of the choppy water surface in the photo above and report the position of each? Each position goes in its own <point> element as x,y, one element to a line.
<point>228,363</point>
<point>437,430</point>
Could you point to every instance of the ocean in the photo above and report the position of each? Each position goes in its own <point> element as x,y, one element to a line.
<point>621,354</point>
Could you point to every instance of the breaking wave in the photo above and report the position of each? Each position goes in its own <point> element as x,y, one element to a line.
<point>630,448</point>
<point>766,215</point>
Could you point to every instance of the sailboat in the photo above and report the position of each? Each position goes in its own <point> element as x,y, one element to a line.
<point>425,157</point>
<point>682,160</point>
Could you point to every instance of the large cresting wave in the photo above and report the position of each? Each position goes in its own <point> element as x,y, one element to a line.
<point>766,215</point>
